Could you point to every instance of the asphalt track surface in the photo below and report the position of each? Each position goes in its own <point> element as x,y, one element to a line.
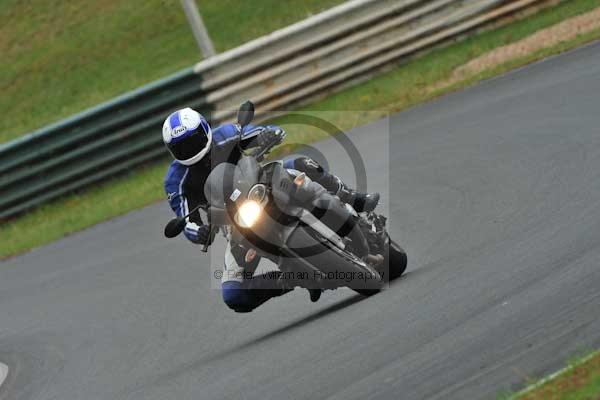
<point>496,198</point>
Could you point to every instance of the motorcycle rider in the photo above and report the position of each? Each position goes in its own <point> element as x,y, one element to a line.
<point>197,149</point>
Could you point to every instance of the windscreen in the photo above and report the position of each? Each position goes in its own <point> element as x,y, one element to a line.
<point>230,182</point>
<point>219,184</point>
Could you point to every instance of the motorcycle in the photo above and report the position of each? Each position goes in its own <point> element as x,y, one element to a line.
<point>315,240</point>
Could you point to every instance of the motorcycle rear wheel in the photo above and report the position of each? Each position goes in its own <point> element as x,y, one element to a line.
<point>396,261</point>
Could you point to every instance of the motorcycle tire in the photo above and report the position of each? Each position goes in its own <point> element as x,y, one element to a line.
<point>396,260</point>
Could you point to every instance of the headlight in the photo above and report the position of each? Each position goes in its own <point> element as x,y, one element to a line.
<point>258,193</point>
<point>248,213</point>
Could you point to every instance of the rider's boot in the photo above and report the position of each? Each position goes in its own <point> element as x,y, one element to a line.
<point>360,201</point>
<point>315,294</point>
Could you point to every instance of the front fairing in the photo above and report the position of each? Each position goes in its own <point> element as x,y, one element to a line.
<point>229,182</point>
<point>227,188</point>
<point>246,175</point>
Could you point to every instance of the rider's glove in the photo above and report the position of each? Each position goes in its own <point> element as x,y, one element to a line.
<point>272,135</point>
<point>199,234</point>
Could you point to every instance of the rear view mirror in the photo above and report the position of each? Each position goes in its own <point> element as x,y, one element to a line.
<point>245,113</point>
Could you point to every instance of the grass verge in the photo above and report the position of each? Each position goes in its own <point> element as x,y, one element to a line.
<point>413,83</point>
<point>580,380</point>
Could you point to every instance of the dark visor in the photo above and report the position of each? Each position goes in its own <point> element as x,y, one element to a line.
<point>189,147</point>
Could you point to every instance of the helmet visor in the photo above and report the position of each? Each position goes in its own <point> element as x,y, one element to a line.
<point>188,147</point>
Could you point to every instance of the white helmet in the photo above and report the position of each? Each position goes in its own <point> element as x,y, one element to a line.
<point>187,135</point>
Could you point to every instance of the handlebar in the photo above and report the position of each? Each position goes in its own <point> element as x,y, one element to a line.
<point>212,234</point>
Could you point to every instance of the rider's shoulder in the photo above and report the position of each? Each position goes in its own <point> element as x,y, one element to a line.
<point>175,172</point>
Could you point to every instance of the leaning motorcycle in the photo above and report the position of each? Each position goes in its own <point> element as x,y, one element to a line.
<point>279,214</point>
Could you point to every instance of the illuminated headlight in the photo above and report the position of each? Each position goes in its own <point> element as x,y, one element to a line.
<point>248,213</point>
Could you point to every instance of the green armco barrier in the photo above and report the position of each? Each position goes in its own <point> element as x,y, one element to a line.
<point>94,144</point>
